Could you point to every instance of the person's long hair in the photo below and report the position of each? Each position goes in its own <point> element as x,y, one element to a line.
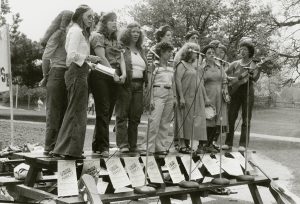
<point>78,18</point>
<point>188,50</point>
<point>126,37</point>
<point>103,26</point>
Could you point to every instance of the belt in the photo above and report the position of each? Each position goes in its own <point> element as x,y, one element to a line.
<point>137,80</point>
<point>162,86</point>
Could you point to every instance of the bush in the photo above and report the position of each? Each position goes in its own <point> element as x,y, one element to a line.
<point>23,94</point>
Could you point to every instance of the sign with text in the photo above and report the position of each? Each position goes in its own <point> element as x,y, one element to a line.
<point>135,171</point>
<point>4,58</point>
<point>174,170</point>
<point>91,167</point>
<point>66,179</point>
<point>117,173</point>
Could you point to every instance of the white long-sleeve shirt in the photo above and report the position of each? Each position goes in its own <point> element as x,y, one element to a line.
<point>77,46</point>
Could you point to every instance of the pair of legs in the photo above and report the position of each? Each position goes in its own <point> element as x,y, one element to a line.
<point>71,136</point>
<point>129,109</point>
<point>160,119</point>
<point>104,91</point>
<point>239,99</point>
<point>56,106</point>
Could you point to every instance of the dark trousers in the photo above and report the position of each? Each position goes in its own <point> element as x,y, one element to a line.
<point>238,99</point>
<point>56,104</point>
<point>71,136</point>
<point>211,134</point>
<point>129,109</point>
<point>104,91</point>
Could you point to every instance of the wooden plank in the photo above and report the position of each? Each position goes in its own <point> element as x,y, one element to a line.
<point>33,193</point>
<point>195,197</point>
<point>5,181</point>
<point>255,194</point>
<point>32,175</point>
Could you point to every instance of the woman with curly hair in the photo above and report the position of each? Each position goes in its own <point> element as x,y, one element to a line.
<point>129,105</point>
<point>104,88</point>
<point>191,98</point>
<point>162,94</point>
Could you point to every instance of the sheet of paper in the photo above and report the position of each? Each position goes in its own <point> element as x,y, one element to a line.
<point>211,165</point>
<point>66,178</point>
<point>101,186</point>
<point>117,173</point>
<point>153,171</point>
<point>241,159</point>
<point>91,167</point>
<point>135,171</point>
<point>106,70</point>
<point>207,179</point>
<point>231,166</point>
<point>196,174</point>
<point>174,170</point>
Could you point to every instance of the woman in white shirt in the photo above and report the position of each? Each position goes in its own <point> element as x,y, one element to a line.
<point>71,136</point>
<point>129,105</point>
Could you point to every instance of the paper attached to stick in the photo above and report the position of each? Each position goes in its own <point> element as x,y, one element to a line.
<point>135,171</point>
<point>231,166</point>
<point>66,178</point>
<point>196,174</point>
<point>211,165</point>
<point>174,170</point>
<point>91,167</point>
<point>101,186</point>
<point>117,173</point>
<point>153,171</point>
<point>239,157</point>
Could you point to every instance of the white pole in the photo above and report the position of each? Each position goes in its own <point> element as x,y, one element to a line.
<point>10,88</point>
<point>17,93</point>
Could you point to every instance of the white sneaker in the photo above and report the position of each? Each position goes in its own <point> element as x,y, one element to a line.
<point>241,149</point>
<point>226,147</point>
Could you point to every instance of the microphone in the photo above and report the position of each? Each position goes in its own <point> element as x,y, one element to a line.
<point>216,58</point>
<point>156,55</point>
<point>199,53</point>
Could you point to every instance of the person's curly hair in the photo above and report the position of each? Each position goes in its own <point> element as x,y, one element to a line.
<point>125,37</point>
<point>249,46</point>
<point>103,25</point>
<point>161,32</point>
<point>188,50</point>
<point>163,47</point>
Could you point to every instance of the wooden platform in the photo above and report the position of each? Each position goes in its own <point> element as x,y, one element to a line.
<point>38,161</point>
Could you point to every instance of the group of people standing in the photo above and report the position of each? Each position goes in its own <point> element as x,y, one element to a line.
<point>178,88</point>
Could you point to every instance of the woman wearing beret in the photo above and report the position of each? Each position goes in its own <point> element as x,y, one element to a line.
<point>104,44</point>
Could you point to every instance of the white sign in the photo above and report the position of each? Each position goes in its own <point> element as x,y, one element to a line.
<point>153,171</point>
<point>174,170</point>
<point>135,171</point>
<point>117,173</point>
<point>189,164</point>
<point>91,167</point>
<point>211,165</point>
<point>4,59</point>
<point>66,179</point>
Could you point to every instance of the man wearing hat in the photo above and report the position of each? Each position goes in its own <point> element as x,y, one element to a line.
<point>243,96</point>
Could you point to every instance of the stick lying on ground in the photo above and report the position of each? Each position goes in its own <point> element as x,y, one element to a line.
<point>281,194</point>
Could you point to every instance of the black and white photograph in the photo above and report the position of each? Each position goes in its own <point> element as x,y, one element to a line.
<point>150,101</point>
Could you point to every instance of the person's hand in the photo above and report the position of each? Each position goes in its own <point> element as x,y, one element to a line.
<point>122,79</point>
<point>207,102</point>
<point>43,82</point>
<point>152,106</point>
<point>182,103</point>
<point>93,59</point>
<point>175,102</point>
<point>116,78</point>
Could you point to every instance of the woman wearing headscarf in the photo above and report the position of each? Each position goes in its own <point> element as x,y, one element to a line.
<point>104,44</point>
<point>71,136</point>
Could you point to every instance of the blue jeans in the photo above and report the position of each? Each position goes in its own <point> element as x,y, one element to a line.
<point>56,105</point>
<point>129,109</point>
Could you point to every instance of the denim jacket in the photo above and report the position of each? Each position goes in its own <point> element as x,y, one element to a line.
<point>128,63</point>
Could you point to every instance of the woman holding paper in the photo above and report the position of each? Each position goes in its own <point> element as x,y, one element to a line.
<point>129,105</point>
<point>104,44</point>
<point>71,136</point>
